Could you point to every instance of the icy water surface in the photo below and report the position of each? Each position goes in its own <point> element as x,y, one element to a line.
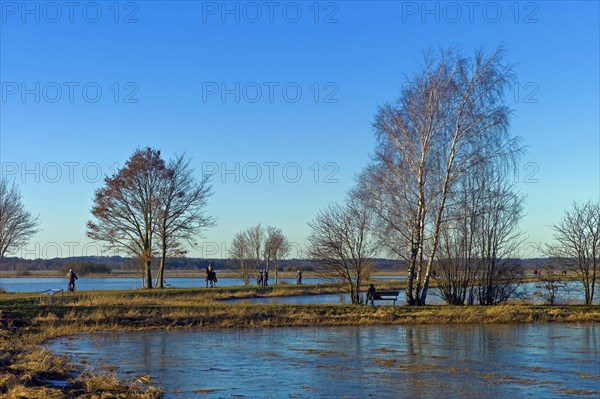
<point>446,361</point>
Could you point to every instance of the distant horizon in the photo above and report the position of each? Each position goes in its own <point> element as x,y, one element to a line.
<point>13,258</point>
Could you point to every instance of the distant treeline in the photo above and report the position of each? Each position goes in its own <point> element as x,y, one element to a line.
<point>83,268</point>
<point>117,263</point>
<point>93,264</point>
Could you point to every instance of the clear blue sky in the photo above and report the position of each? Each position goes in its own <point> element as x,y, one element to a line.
<point>274,90</point>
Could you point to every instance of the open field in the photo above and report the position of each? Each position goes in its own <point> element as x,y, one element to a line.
<point>27,369</point>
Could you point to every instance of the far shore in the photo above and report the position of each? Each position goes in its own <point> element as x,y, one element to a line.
<point>188,273</point>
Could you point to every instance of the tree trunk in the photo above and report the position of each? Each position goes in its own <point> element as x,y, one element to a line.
<point>356,298</point>
<point>161,267</point>
<point>160,274</point>
<point>409,283</point>
<point>438,218</point>
<point>148,264</point>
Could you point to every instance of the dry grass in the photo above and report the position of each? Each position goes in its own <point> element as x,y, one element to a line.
<point>27,371</point>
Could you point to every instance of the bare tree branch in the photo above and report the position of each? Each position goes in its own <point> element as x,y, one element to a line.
<point>17,225</point>
<point>340,240</point>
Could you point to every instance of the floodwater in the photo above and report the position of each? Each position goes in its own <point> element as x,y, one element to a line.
<point>39,284</point>
<point>573,295</point>
<point>574,292</point>
<point>449,361</point>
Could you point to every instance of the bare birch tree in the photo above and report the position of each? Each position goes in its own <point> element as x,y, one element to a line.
<point>127,208</point>
<point>17,225</point>
<point>277,247</point>
<point>480,238</point>
<point>182,214</point>
<point>450,114</point>
<point>577,244</point>
<point>341,242</point>
<point>551,284</point>
<point>256,237</point>
<point>267,247</point>
<point>456,269</point>
<point>499,270</point>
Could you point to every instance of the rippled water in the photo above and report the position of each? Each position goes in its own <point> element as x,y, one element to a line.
<point>449,361</point>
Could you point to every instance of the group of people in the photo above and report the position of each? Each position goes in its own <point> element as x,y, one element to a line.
<point>262,278</point>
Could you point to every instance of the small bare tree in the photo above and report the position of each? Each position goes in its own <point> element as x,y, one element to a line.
<point>182,210</point>
<point>256,237</point>
<point>456,269</point>
<point>479,238</point>
<point>551,285</point>
<point>267,247</point>
<point>499,271</point>
<point>341,242</point>
<point>17,225</point>
<point>240,252</point>
<point>577,244</point>
<point>277,247</point>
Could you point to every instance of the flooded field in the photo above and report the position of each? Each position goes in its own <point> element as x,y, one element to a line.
<point>573,294</point>
<point>450,361</point>
<point>38,284</point>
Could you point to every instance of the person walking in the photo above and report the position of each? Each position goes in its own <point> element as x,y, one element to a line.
<point>260,278</point>
<point>71,277</point>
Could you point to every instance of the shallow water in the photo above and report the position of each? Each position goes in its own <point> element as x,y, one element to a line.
<point>39,284</point>
<point>450,361</point>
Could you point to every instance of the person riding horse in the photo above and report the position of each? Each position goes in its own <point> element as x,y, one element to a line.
<point>211,276</point>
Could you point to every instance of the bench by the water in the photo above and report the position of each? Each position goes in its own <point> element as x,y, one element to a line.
<point>386,296</point>
<point>50,296</point>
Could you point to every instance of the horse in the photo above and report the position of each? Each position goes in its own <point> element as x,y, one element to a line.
<point>211,277</point>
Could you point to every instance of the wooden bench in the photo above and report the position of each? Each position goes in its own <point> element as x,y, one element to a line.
<point>386,296</point>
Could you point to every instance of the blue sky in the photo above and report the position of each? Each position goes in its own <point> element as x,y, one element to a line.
<point>276,97</point>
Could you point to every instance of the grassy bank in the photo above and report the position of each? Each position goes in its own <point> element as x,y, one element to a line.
<point>192,307</point>
<point>26,369</point>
